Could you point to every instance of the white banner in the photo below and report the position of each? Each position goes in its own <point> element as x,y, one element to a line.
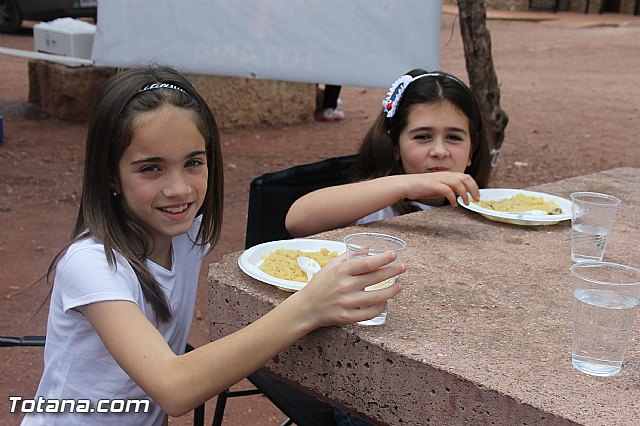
<point>348,42</point>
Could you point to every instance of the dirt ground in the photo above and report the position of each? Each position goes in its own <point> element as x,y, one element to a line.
<point>570,85</point>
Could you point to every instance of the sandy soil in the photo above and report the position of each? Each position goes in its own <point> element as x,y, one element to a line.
<point>570,85</point>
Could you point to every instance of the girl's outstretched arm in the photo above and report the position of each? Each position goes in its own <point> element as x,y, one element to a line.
<point>180,383</point>
<point>339,206</point>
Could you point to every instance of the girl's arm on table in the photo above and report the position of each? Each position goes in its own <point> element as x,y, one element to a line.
<point>339,206</point>
<point>180,383</point>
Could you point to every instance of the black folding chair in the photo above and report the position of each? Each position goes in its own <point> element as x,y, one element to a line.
<point>7,342</point>
<point>270,197</point>
<point>26,341</point>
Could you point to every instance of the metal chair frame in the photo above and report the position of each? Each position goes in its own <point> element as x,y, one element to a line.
<point>33,341</point>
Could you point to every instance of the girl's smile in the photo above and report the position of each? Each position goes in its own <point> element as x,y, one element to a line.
<point>163,175</point>
<point>176,213</point>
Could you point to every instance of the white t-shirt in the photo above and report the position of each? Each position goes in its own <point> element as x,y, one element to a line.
<point>388,212</point>
<point>77,365</point>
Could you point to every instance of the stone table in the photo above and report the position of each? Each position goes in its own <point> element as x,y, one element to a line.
<point>480,334</point>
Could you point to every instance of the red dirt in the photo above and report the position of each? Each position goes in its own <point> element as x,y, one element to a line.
<point>570,86</point>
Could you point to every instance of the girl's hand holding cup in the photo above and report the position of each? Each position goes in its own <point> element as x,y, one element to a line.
<point>338,294</point>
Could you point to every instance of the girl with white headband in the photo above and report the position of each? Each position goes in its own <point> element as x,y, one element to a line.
<point>427,146</point>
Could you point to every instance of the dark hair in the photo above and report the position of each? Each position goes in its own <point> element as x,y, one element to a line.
<point>379,153</point>
<point>111,130</point>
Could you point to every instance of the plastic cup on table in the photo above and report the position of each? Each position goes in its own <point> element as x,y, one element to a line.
<point>591,223</point>
<point>605,301</point>
<point>369,244</point>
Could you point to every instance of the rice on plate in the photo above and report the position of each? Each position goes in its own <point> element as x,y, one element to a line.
<point>520,206</point>
<point>521,203</point>
<point>282,263</point>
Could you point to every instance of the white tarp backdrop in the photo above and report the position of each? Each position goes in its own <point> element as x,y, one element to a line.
<point>366,43</point>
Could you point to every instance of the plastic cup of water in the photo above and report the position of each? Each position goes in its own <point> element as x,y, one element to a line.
<point>369,244</point>
<point>591,223</point>
<point>605,300</point>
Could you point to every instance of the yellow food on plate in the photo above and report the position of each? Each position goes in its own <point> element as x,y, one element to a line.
<point>521,203</point>
<point>282,263</point>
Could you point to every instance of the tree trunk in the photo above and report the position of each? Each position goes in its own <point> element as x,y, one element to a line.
<point>482,77</point>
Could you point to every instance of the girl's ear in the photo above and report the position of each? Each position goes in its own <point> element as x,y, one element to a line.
<point>114,187</point>
<point>471,151</point>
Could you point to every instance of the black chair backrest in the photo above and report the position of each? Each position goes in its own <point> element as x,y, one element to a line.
<point>271,195</point>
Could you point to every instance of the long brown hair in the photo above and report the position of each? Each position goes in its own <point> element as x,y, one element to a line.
<point>105,217</point>
<point>379,153</point>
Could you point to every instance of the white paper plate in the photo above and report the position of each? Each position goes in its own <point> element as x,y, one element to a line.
<point>251,259</point>
<point>519,218</point>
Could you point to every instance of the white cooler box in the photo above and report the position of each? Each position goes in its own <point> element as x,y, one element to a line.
<point>65,36</point>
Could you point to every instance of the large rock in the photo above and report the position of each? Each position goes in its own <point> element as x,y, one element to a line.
<point>65,92</point>
<point>241,102</point>
<point>68,93</point>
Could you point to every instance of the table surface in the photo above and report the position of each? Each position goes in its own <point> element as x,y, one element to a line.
<point>481,332</point>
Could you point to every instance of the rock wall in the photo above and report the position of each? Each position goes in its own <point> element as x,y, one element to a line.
<point>68,93</point>
<point>241,102</point>
<point>65,92</point>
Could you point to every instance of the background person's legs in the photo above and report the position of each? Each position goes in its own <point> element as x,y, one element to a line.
<point>330,110</point>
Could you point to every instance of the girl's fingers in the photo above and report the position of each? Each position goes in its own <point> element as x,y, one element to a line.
<point>336,294</point>
<point>336,260</point>
<point>368,269</point>
<point>367,312</point>
<point>452,190</point>
<point>374,297</point>
<point>371,303</point>
<point>471,187</point>
<point>330,265</point>
<point>367,297</point>
<point>464,187</point>
<point>446,184</point>
<point>451,196</point>
<point>367,264</point>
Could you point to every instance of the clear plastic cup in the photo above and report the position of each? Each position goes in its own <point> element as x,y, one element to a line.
<point>605,301</point>
<point>369,244</point>
<point>591,223</point>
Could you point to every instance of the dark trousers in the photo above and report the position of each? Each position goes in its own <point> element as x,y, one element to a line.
<point>331,94</point>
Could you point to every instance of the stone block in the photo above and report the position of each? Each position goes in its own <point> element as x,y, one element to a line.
<point>65,92</point>
<point>68,93</point>
<point>241,102</point>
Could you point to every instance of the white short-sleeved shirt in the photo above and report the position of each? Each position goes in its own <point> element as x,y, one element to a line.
<point>388,212</point>
<point>77,365</point>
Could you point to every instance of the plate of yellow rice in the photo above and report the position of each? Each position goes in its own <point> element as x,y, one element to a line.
<point>520,207</point>
<point>275,262</point>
